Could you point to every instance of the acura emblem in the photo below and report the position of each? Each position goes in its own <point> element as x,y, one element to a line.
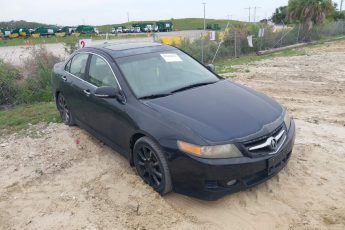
<point>273,144</point>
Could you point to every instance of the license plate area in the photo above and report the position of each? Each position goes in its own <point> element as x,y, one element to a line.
<point>277,162</point>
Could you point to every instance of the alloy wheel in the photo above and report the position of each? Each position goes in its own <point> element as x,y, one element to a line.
<point>149,167</point>
<point>63,109</point>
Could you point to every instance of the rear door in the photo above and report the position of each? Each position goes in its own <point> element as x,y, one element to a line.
<point>77,91</point>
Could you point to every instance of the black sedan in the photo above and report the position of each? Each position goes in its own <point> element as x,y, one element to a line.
<point>183,127</point>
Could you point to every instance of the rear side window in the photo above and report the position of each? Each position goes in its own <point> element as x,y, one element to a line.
<point>78,65</point>
<point>100,73</point>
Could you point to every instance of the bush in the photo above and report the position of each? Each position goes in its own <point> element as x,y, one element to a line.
<point>32,83</point>
<point>37,85</point>
<point>8,83</point>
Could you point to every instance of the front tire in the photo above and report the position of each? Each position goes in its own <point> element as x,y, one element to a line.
<point>65,112</point>
<point>151,165</point>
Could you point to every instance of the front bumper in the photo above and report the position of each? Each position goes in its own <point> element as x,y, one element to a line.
<point>209,179</point>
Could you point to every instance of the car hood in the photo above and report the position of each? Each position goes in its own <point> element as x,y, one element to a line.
<point>220,112</point>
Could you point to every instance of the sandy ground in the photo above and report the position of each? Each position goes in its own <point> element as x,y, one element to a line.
<point>49,181</point>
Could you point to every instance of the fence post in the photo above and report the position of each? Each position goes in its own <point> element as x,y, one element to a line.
<point>262,38</point>
<point>299,29</point>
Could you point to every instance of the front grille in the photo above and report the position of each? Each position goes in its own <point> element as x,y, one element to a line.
<point>253,148</point>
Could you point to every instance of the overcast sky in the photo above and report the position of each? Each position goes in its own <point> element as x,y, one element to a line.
<point>98,12</point>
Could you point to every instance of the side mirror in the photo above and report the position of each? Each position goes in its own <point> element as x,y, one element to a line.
<point>210,67</point>
<point>110,92</point>
<point>106,92</point>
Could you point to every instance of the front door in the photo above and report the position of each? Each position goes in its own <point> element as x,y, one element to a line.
<point>107,116</point>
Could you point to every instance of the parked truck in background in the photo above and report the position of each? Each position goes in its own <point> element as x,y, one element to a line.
<point>164,26</point>
<point>22,32</point>
<point>119,29</point>
<point>46,31</point>
<point>68,29</point>
<point>86,29</point>
<point>5,33</point>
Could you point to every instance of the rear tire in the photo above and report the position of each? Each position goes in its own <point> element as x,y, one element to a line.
<point>64,111</point>
<point>151,165</point>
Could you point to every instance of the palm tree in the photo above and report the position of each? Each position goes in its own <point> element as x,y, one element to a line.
<point>309,12</point>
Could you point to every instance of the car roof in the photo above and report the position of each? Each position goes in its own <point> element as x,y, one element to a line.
<point>118,50</point>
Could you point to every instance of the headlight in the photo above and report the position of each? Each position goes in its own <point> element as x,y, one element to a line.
<point>287,120</point>
<point>216,151</point>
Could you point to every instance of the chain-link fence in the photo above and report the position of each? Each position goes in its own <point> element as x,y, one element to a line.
<point>240,40</point>
<point>292,35</point>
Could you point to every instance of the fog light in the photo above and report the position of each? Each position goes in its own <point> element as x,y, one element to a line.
<point>232,182</point>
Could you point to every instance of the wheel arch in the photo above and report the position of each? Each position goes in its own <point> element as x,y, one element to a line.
<point>56,94</point>
<point>134,138</point>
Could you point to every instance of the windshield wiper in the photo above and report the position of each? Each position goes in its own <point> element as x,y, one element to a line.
<point>155,96</point>
<point>193,86</point>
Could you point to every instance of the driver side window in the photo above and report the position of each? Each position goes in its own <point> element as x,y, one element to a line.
<point>100,73</point>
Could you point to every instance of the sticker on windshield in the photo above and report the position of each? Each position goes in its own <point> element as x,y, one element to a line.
<point>171,57</point>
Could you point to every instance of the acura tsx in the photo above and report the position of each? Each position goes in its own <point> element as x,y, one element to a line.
<point>182,127</point>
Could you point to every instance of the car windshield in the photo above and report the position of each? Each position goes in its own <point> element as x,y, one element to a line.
<point>163,73</point>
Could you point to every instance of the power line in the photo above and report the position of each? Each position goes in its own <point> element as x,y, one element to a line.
<point>204,3</point>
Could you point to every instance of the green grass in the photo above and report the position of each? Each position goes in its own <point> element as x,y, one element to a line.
<point>179,24</point>
<point>34,41</point>
<point>226,65</point>
<point>53,39</point>
<point>21,116</point>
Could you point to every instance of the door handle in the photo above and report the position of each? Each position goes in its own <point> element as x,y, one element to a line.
<point>87,92</point>
<point>64,78</point>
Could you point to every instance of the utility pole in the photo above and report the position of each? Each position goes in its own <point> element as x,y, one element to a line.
<point>255,8</point>
<point>341,5</point>
<point>249,8</point>
<point>128,20</point>
<point>204,3</point>
<point>235,44</point>
<point>202,37</point>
